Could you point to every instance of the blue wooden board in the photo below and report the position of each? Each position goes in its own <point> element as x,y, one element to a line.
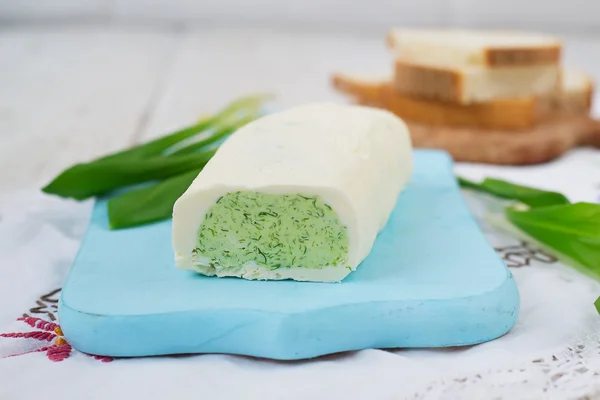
<point>431,280</point>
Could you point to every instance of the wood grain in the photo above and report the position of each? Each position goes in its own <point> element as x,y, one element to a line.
<point>541,144</point>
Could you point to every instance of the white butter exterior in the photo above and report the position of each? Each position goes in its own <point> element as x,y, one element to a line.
<point>357,159</point>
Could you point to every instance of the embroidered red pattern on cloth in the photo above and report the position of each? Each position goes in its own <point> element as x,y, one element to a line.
<point>47,337</point>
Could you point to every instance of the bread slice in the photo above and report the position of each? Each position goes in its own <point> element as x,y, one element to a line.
<point>518,113</point>
<point>463,48</point>
<point>573,98</point>
<point>474,84</point>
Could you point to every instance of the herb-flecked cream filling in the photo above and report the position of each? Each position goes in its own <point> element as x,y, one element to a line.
<point>273,231</point>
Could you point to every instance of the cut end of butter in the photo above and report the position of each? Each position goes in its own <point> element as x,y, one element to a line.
<point>271,236</point>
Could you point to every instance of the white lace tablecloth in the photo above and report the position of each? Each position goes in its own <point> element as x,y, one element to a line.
<point>552,352</point>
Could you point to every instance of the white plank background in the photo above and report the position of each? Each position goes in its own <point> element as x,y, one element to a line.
<point>573,16</point>
<point>69,94</point>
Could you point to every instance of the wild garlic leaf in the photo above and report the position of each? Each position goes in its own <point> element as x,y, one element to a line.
<point>87,180</point>
<point>158,146</point>
<point>148,204</point>
<point>570,229</point>
<point>148,161</point>
<point>219,133</point>
<point>238,109</point>
<point>510,191</point>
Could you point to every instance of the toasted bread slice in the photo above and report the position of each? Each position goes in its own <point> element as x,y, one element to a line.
<point>368,90</point>
<point>574,98</point>
<point>518,113</point>
<point>463,48</point>
<point>474,84</point>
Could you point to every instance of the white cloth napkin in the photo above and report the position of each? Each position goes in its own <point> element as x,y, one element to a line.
<point>552,352</point>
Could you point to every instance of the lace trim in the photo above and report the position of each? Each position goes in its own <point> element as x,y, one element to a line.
<point>569,373</point>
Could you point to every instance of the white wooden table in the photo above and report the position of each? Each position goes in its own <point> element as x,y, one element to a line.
<point>69,94</point>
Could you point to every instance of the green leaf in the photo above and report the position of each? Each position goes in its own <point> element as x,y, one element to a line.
<point>510,191</point>
<point>570,229</point>
<point>245,106</point>
<point>148,204</point>
<point>597,304</point>
<point>571,232</point>
<point>219,134</point>
<point>148,161</point>
<point>158,146</point>
<point>87,180</point>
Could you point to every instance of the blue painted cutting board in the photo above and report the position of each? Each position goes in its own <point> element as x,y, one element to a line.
<point>431,280</point>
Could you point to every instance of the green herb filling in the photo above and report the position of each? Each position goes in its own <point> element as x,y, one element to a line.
<point>272,230</point>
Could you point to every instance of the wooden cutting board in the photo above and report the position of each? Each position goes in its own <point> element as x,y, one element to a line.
<point>540,144</point>
<point>431,280</point>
